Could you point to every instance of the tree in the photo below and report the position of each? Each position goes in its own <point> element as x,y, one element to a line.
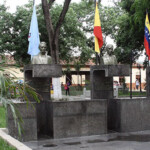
<point>131,23</point>
<point>6,24</point>
<point>77,65</point>
<point>53,34</point>
<point>72,38</point>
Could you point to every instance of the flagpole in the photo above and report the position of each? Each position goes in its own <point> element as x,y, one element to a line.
<point>96,52</point>
<point>131,74</point>
<point>148,60</point>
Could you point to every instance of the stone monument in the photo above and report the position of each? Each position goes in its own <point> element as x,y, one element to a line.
<point>56,119</point>
<point>37,75</point>
<point>109,58</point>
<point>42,57</point>
<point>102,75</point>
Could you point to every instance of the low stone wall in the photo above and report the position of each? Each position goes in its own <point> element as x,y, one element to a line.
<point>56,119</point>
<point>128,115</point>
<point>29,125</point>
<point>79,118</point>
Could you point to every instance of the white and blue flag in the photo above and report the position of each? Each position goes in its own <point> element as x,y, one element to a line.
<point>33,36</point>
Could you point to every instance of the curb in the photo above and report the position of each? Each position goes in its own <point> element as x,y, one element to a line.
<point>12,141</point>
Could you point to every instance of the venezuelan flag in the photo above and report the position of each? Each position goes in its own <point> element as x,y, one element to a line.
<point>97,31</point>
<point>147,36</point>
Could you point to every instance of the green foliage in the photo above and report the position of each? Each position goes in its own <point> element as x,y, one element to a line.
<point>127,94</point>
<point>6,24</point>
<point>131,23</point>
<point>9,88</point>
<point>123,22</point>
<point>2,117</point>
<point>5,146</point>
<point>71,38</point>
<point>77,66</point>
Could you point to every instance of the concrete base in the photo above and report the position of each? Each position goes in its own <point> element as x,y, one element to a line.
<point>101,78</point>
<point>60,119</point>
<point>129,115</point>
<point>78,118</point>
<point>29,125</point>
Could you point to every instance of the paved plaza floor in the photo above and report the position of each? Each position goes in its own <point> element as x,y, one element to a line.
<point>113,141</point>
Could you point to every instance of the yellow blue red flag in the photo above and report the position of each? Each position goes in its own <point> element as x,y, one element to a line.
<point>147,36</point>
<point>97,31</point>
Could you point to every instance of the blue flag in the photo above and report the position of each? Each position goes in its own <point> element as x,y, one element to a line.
<point>33,36</point>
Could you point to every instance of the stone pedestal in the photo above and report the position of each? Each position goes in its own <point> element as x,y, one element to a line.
<point>148,82</point>
<point>129,115</point>
<point>77,118</point>
<point>102,79</point>
<point>29,125</point>
<point>38,77</point>
<point>35,123</point>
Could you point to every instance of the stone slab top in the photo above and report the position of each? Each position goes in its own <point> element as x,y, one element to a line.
<point>78,101</point>
<point>12,141</point>
<point>112,70</point>
<point>44,70</point>
<point>131,99</point>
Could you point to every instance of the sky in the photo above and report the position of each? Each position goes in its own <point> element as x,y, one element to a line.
<point>12,4</point>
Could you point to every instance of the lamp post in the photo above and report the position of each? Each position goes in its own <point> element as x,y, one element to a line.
<point>139,67</point>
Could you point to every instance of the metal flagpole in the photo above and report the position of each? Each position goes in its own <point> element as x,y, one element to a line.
<point>131,75</point>
<point>148,60</point>
<point>96,1</point>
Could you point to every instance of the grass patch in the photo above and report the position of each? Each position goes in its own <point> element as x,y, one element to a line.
<point>2,117</point>
<point>74,91</point>
<point>5,146</point>
<point>134,93</point>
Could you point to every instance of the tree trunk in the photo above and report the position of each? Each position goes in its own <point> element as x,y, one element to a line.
<point>53,35</point>
<point>49,26</point>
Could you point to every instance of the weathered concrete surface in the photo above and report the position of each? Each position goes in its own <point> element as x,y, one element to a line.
<point>101,78</point>
<point>44,70</point>
<point>112,70</point>
<point>78,118</point>
<point>60,119</point>
<point>102,87</point>
<point>38,77</point>
<point>128,115</point>
<point>112,141</point>
<point>148,82</point>
<point>41,85</point>
<point>29,124</point>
